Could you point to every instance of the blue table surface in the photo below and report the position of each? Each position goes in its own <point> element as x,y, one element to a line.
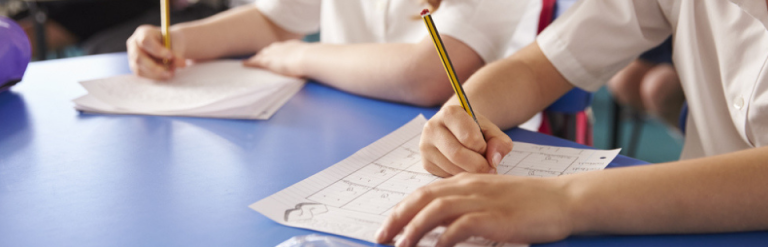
<point>71,179</point>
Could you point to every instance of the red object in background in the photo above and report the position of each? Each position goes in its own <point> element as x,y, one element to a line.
<point>547,14</point>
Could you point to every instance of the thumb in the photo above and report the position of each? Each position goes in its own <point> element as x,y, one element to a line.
<point>498,143</point>
<point>498,147</point>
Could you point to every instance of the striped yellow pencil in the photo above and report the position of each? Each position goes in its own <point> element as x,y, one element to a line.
<point>447,63</point>
<point>165,22</point>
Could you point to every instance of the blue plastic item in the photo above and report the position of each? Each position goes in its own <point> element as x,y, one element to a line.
<point>316,240</point>
<point>572,102</point>
<point>15,53</point>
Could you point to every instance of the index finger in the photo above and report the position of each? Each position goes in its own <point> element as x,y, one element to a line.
<point>464,128</point>
<point>151,43</point>
<point>413,204</point>
<point>498,143</point>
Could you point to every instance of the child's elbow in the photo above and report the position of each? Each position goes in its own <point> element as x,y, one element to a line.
<point>429,91</point>
<point>424,82</point>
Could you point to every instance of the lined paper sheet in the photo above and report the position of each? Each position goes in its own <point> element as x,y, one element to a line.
<point>353,197</point>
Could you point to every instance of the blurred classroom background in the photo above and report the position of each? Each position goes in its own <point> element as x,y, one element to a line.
<point>71,28</point>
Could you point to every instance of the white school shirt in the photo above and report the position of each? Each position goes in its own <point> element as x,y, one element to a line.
<point>720,51</point>
<point>493,28</point>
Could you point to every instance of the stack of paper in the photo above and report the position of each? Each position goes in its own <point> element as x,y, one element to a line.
<point>218,89</point>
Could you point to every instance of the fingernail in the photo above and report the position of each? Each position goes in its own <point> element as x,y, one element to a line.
<point>492,171</point>
<point>496,160</point>
<point>380,234</point>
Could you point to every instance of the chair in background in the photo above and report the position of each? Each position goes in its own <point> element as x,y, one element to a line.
<point>651,73</point>
<point>568,117</point>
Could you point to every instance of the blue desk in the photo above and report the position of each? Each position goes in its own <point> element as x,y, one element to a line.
<point>68,179</point>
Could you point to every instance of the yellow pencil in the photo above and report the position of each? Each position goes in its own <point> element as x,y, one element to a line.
<point>165,22</point>
<point>447,63</point>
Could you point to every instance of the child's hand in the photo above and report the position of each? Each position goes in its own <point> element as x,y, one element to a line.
<point>452,143</point>
<point>146,53</point>
<point>499,208</point>
<point>281,57</point>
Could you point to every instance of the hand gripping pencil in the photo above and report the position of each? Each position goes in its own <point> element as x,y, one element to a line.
<point>447,64</point>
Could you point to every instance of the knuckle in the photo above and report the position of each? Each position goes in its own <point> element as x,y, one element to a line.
<point>474,181</point>
<point>145,42</point>
<point>423,193</point>
<point>506,140</point>
<point>476,141</point>
<point>423,145</point>
<point>396,213</point>
<point>507,146</point>
<point>429,127</point>
<point>464,137</point>
<point>470,221</point>
<point>463,225</point>
<point>470,180</point>
<point>144,28</point>
<point>442,204</point>
<point>471,140</point>
<point>453,110</point>
<point>452,150</point>
<point>453,153</point>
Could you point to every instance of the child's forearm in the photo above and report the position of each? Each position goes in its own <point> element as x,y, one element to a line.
<point>512,90</point>
<point>243,30</point>
<point>714,194</point>
<point>408,73</point>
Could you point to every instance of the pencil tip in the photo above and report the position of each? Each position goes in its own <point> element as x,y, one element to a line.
<point>424,12</point>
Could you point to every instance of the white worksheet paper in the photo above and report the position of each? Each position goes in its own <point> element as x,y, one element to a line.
<point>257,108</point>
<point>353,197</point>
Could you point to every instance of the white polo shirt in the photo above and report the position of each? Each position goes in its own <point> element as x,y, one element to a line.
<point>720,53</point>
<point>493,28</point>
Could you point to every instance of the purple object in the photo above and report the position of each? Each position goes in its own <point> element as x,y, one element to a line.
<point>15,53</point>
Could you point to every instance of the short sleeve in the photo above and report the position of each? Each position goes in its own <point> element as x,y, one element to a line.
<point>595,39</point>
<point>297,16</point>
<point>488,26</point>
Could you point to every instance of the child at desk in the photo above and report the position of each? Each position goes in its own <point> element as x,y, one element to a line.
<point>378,49</point>
<point>719,185</point>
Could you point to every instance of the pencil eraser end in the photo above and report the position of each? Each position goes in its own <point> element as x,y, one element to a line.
<point>424,12</point>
